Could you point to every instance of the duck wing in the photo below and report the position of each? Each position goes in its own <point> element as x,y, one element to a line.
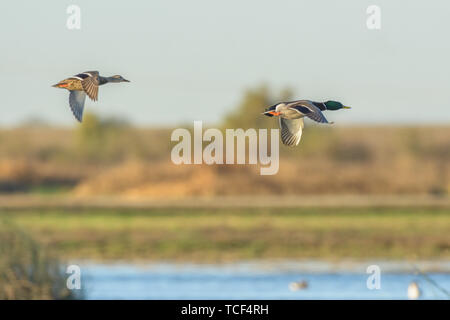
<point>309,110</point>
<point>90,83</point>
<point>76,102</point>
<point>291,131</point>
<point>320,105</point>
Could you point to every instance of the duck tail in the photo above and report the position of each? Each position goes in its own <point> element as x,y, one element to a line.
<point>60,85</point>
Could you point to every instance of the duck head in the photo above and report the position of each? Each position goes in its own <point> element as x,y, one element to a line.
<point>335,105</point>
<point>117,78</point>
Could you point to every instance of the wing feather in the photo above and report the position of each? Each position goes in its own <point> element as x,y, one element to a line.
<point>309,110</point>
<point>90,84</point>
<point>76,102</point>
<point>291,131</point>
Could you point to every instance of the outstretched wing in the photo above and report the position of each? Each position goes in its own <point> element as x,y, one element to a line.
<point>76,101</point>
<point>320,105</point>
<point>291,131</point>
<point>89,83</point>
<point>309,110</point>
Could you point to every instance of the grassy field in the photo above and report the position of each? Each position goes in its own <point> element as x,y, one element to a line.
<point>224,234</point>
<point>102,158</point>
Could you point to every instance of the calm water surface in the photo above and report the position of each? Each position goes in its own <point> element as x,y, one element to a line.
<point>257,281</point>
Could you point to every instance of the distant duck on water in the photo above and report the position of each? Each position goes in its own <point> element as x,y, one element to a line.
<point>300,285</point>
<point>414,291</point>
<point>82,84</point>
<point>291,116</point>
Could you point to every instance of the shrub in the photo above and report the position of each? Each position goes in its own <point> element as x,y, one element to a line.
<point>26,270</point>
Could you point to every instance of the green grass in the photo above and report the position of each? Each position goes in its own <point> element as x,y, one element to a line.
<point>50,190</point>
<point>232,234</point>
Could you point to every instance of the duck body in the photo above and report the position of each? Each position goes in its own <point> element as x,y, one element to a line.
<point>69,84</point>
<point>82,84</point>
<point>295,286</point>
<point>414,291</point>
<point>296,110</point>
<point>76,82</point>
<point>291,116</point>
<point>287,112</point>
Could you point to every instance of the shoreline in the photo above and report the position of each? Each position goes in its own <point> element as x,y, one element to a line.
<point>68,201</point>
<point>345,265</point>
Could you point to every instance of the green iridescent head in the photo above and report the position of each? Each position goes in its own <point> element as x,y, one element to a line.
<point>335,105</point>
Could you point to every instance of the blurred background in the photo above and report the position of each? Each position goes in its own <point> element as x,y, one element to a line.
<point>371,189</point>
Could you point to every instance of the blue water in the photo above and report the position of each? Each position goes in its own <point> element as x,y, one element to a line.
<point>251,281</point>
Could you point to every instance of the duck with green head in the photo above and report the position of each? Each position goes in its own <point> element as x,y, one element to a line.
<point>330,105</point>
<point>291,116</point>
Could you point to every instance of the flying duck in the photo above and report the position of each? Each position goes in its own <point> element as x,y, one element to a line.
<point>291,116</point>
<point>83,84</point>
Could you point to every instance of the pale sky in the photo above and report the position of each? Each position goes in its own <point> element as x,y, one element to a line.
<point>191,60</point>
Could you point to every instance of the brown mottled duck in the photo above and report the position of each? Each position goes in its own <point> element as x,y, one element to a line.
<point>83,84</point>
